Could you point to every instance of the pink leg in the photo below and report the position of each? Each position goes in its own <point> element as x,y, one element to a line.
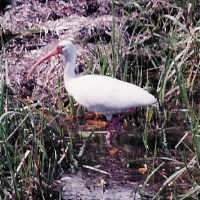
<point>115,122</point>
<point>115,125</point>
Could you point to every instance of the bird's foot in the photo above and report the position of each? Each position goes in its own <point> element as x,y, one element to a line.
<point>109,138</point>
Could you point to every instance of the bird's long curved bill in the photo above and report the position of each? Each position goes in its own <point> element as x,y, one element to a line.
<point>56,51</point>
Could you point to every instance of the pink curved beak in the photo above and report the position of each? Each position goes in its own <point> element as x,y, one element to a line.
<point>57,50</point>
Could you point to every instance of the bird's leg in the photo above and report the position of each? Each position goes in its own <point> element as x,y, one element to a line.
<point>115,121</point>
<point>109,134</point>
<point>97,115</point>
<point>115,125</point>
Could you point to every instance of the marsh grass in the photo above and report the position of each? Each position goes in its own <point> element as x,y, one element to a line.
<point>23,154</point>
<point>32,150</point>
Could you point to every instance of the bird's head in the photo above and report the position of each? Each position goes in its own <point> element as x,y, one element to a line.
<point>67,48</point>
<point>64,47</point>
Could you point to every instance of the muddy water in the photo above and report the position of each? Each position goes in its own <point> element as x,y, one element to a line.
<point>117,172</point>
<point>106,172</point>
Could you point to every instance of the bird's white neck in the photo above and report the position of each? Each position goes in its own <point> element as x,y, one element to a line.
<point>69,70</point>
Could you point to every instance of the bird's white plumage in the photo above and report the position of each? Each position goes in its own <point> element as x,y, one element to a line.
<point>101,93</point>
<point>98,93</point>
<point>106,94</point>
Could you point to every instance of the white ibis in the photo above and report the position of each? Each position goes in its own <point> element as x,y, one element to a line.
<point>98,93</point>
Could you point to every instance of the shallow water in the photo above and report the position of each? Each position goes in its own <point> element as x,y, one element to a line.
<point>117,165</point>
<point>124,166</point>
